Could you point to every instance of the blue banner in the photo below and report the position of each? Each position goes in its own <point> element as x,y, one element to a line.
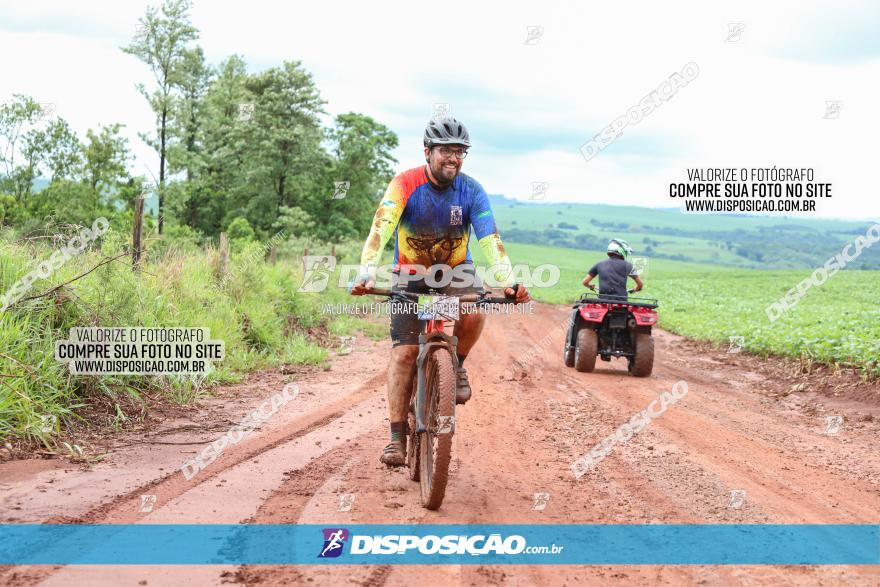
<point>590,544</point>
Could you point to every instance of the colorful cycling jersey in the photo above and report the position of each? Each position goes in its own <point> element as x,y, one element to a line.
<point>432,226</point>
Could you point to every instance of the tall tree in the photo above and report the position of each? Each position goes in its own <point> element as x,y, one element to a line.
<point>56,149</point>
<point>362,149</point>
<point>106,158</point>
<point>17,117</point>
<point>162,41</point>
<point>221,151</point>
<point>193,82</point>
<point>285,138</point>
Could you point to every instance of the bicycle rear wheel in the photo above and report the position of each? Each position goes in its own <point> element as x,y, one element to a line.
<point>435,444</point>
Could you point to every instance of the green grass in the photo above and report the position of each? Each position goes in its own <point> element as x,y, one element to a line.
<point>344,325</point>
<point>298,349</point>
<point>836,323</point>
<point>256,311</point>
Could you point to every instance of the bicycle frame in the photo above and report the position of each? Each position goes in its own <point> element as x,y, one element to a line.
<point>432,471</point>
<point>433,336</point>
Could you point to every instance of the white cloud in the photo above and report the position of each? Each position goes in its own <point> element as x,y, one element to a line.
<point>759,102</point>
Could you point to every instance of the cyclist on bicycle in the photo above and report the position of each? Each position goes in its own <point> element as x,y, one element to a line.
<point>430,211</point>
<point>614,271</point>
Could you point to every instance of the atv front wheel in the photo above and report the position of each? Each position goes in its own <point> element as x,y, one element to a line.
<point>568,354</point>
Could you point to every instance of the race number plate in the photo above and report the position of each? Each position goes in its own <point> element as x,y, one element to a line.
<point>438,308</point>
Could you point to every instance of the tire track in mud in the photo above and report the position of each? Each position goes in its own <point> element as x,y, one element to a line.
<point>494,478</point>
<point>688,432</point>
<point>125,508</point>
<point>519,435</point>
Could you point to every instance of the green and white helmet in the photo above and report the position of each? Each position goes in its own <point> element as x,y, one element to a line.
<point>620,247</point>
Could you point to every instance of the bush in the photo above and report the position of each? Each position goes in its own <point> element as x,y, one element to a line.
<point>240,229</point>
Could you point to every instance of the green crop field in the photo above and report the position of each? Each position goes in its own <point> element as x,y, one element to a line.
<point>759,242</point>
<point>838,322</point>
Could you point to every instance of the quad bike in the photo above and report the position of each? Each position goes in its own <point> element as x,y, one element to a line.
<point>611,326</point>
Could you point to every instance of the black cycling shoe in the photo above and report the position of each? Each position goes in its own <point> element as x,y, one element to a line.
<point>394,454</point>
<point>462,387</point>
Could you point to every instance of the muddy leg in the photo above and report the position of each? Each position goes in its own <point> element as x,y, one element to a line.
<point>468,329</point>
<point>401,369</point>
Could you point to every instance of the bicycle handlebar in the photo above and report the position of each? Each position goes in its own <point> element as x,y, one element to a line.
<point>479,299</point>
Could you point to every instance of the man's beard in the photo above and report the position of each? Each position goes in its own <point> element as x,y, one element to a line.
<point>443,175</point>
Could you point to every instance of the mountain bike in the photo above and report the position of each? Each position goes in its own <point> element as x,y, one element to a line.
<point>431,414</point>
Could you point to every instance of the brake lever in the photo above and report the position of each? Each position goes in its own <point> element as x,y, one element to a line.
<point>483,299</point>
<point>401,297</point>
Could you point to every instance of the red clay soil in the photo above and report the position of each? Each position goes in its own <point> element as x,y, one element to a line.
<point>745,425</point>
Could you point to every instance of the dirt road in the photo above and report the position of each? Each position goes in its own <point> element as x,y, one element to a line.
<point>738,448</point>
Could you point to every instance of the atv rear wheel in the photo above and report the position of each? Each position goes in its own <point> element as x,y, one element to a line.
<point>585,352</point>
<point>643,362</point>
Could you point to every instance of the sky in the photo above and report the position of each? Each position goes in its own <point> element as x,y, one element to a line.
<point>533,82</point>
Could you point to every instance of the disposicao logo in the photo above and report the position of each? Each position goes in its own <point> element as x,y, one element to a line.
<point>334,540</point>
<point>404,544</point>
<point>451,544</point>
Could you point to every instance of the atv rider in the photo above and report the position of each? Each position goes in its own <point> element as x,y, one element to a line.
<point>613,272</point>
<point>430,211</point>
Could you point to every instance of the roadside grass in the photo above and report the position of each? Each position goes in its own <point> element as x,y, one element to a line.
<point>345,325</point>
<point>256,310</point>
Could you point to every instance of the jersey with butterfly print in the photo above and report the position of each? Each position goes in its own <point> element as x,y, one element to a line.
<point>432,226</point>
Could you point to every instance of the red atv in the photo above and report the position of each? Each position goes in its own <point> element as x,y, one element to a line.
<point>611,326</point>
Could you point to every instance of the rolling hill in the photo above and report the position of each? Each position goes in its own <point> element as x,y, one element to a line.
<point>760,242</point>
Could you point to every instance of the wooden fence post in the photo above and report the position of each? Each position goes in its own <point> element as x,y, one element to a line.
<point>136,235</point>
<point>273,253</point>
<point>224,255</point>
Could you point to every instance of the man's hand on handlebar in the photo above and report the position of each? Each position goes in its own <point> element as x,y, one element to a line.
<point>361,286</point>
<point>592,287</point>
<point>519,292</point>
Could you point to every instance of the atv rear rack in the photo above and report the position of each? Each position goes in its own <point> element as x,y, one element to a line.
<point>610,299</point>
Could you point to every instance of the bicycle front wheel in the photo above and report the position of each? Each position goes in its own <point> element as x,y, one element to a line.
<point>435,444</point>
<point>412,445</point>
